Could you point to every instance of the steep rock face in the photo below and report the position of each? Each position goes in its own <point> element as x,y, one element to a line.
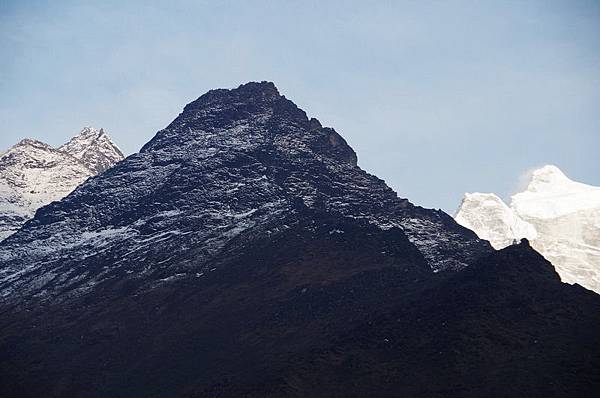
<point>561,218</point>
<point>94,149</point>
<point>33,174</point>
<point>233,160</point>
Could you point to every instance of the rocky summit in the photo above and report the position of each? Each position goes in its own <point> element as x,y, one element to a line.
<point>244,253</point>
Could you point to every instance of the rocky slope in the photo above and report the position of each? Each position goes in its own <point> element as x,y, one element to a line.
<point>232,161</point>
<point>243,252</point>
<point>33,174</point>
<point>561,217</point>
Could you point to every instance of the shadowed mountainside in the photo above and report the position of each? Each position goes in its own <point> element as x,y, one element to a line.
<point>243,253</point>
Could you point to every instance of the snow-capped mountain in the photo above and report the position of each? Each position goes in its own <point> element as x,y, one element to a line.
<point>244,253</point>
<point>493,220</point>
<point>33,174</point>
<point>93,148</point>
<point>559,216</point>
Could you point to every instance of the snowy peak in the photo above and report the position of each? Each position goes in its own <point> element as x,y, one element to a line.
<point>33,174</point>
<point>492,219</point>
<point>94,149</point>
<point>552,194</point>
<point>31,154</point>
<point>28,142</point>
<point>487,199</point>
<point>561,217</point>
<point>547,177</point>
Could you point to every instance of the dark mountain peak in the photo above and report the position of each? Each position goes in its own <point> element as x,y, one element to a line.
<point>252,116</point>
<point>252,92</point>
<point>263,90</point>
<point>232,162</point>
<point>315,124</point>
<point>522,250</point>
<point>515,267</point>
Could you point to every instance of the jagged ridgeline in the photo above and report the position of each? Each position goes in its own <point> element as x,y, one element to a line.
<point>243,252</point>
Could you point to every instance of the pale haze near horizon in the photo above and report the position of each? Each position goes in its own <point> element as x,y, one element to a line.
<point>437,98</point>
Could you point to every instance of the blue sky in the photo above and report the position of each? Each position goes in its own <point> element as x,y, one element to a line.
<point>437,98</point>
